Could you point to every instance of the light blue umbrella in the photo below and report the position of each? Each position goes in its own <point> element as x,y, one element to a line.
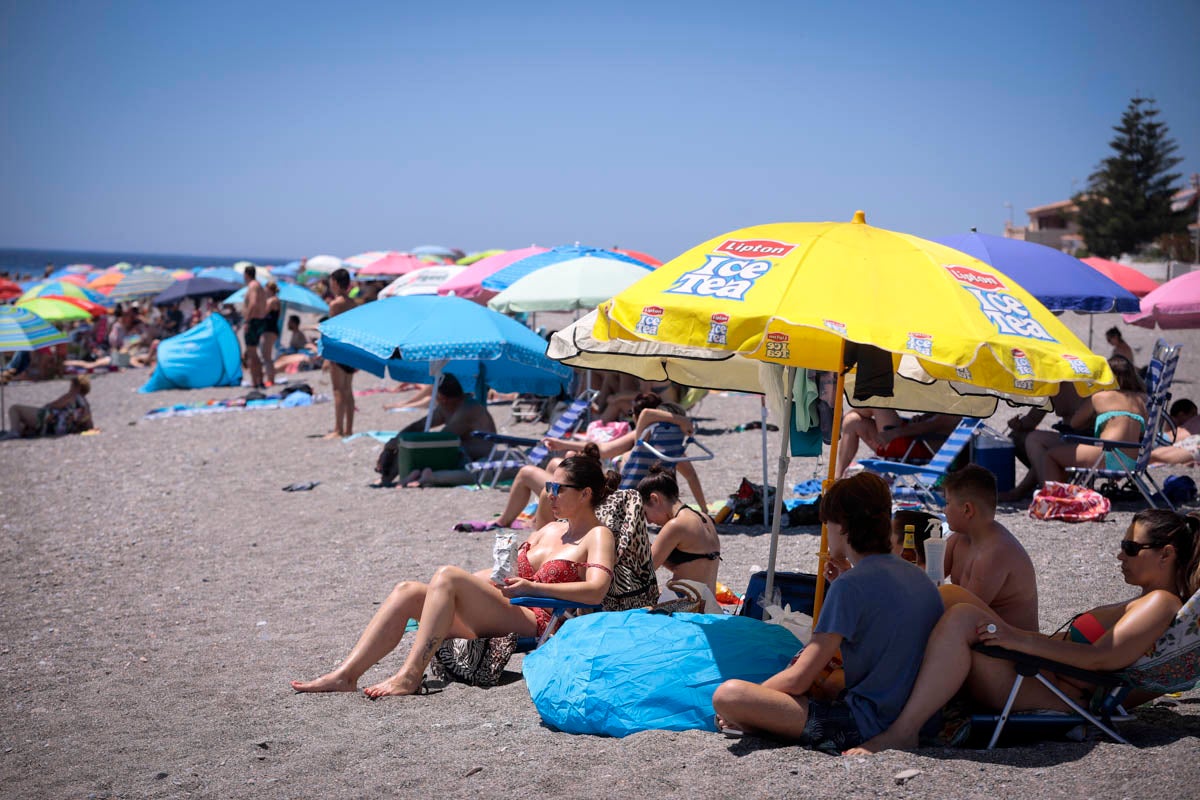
<point>419,337</point>
<point>580,256</point>
<point>296,298</point>
<point>222,274</point>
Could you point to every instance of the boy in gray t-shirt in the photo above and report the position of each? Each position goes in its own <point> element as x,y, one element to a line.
<point>878,615</point>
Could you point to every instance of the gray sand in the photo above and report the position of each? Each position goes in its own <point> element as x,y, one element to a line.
<point>159,590</point>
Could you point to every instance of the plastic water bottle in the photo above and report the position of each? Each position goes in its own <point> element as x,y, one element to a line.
<point>935,555</point>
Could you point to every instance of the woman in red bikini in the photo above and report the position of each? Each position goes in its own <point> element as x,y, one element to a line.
<point>569,559</point>
<point>1159,555</point>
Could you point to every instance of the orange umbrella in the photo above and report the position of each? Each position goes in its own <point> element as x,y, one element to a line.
<point>105,281</point>
<point>1127,277</point>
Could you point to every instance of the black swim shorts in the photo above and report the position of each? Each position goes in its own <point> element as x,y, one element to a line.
<point>255,328</point>
<point>830,727</point>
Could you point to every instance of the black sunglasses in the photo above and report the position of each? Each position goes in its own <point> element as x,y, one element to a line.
<point>1131,548</point>
<point>554,488</point>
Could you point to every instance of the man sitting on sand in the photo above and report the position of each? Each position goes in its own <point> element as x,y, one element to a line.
<point>460,415</point>
<point>982,556</point>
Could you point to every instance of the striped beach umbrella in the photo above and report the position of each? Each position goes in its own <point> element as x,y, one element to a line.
<point>21,329</point>
<point>144,283</point>
<point>54,309</point>
<point>63,289</point>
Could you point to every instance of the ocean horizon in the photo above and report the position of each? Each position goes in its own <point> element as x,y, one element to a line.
<point>27,263</point>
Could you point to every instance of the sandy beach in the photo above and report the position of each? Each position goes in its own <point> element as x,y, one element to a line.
<point>159,591</point>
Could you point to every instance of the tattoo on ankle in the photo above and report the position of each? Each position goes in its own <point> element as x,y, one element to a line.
<point>430,648</point>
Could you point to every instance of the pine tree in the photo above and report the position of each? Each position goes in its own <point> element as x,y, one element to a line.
<point>1127,203</point>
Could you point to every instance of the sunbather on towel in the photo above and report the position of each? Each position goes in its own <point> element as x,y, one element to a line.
<point>878,614</point>
<point>1159,555</point>
<point>687,541</point>
<point>569,559</point>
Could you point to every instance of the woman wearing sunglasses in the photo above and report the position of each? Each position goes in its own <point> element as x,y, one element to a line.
<point>571,558</point>
<point>1159,555</point>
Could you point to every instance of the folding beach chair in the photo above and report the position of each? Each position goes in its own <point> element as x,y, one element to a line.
<point>513,452</point>
<point>664,442</point>
<point>634,584</point>
<point>1114,466</point>
<point>919,480</point>
<point>1172,665</point>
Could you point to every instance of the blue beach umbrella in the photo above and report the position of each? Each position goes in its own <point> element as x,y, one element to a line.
<point>194,287</point>
<point>221,273</point>
<point>582,256</point>
<point>1059,282</point>
<point>296,298</point>
<point>419,337</point>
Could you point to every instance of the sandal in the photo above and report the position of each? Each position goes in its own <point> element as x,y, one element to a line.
<point>430,687</point>
<point>475,526</point>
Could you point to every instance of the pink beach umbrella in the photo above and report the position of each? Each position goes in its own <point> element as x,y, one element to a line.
<point>468,283</point>
<point>1175,304</point>
<point>1127,277</point>
<point>392,264</point>
<point>364,259</point>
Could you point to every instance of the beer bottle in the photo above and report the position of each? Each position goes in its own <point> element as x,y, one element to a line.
<point>909,553</point>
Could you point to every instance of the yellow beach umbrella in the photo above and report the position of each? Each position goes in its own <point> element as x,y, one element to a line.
<point>959,334</point>
<point>54,310</point>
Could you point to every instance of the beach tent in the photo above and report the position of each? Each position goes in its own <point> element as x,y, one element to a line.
<point>203,356</point>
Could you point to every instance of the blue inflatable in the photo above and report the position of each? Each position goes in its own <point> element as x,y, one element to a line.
<point>618,673</point>
<point>203,356</point>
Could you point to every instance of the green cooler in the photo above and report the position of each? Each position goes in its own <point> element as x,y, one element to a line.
<point>435,450</point>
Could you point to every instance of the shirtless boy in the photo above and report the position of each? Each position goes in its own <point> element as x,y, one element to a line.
<point>982,556</point>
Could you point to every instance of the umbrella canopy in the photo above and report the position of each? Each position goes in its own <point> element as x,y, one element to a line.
<point>53,310</point>
<point>9,290</point>
<point>363,259</point>
<point>1059,282</point>
<point>640,256</point>
<point>1174,305</point>
<point>227,274</point>
<point>95,309</point>
<point>323,264</point>
<point>584,256</point>
<point>452,253</point>
<point>392,264</point>
<point>21,329</point>
<point>469,284</point>
<point>415,338</point>
<point>195,287</point>
<point>296,298</point>
<point>479,255</point>
<point>568,285</point>
<point>105,281</point>
<point>1128,277</point>
<point>64,289</point>
<point>139,284</point>
<point>949,326</point>
<point>421,281</point>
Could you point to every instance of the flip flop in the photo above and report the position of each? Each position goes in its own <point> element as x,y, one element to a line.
<point>302,487</point>
<point>475,526</point>
<point>430,687</point>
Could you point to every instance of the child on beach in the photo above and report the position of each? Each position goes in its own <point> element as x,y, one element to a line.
<point>982,556</point>
<point>878,614</point>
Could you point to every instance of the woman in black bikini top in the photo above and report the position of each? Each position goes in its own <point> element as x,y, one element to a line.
<point>687,543</point>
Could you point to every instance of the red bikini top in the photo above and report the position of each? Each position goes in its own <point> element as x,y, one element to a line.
<point>556,570</point>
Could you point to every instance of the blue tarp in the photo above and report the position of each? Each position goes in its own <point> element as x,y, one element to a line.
<point>203,356</point>
<point>617,673</point>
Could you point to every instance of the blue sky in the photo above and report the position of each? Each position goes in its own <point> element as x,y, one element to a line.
<point>299,128</point>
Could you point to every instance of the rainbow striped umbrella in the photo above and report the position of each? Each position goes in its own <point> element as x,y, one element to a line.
<point>21,329</point>
<point>55,310</point>
<point>143,283</point>
<point>63,289</point>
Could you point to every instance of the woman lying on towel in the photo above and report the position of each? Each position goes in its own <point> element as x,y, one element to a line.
<point>1159,555</point>
<point>569,559</point>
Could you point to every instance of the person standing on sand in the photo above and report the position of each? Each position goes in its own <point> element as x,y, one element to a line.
<point>255,312</point>
<point>340,376</point>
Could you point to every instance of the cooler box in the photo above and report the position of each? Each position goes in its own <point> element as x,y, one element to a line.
<point>433,449</point>
<point>997,455</point>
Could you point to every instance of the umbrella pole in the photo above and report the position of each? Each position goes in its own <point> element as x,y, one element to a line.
<point>1091,317</point>
<point>834,440</point>
<point>789,381</point>
<point>763,413</point>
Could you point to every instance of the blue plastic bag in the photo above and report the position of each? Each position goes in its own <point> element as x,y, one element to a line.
<point>617,673</point>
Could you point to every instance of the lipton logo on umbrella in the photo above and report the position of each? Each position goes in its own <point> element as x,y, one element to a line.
<point>837,327</point>
<point>973,277</point>
<point>1077,364</point>
<point>649,321</point>
<point>921,343</point>
<point>722,276</point>
<point>777,345</point>
<point>758,248</point>
<point>1021,362</point>
<point>718,329</point>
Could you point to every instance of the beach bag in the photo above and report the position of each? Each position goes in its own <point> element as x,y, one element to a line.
<point>475,662</point>
<point>1069,502</point>
<point>388,463</point>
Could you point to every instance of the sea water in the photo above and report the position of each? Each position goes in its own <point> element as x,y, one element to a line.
<point>24,265</point>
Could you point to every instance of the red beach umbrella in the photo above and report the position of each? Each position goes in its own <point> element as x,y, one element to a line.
<point>1127,277</point>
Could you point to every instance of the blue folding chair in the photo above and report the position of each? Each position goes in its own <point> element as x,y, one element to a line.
<point>662,441</point>
<point>513,452</point>
<point>921,479</point>
<point>1136,472</point>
